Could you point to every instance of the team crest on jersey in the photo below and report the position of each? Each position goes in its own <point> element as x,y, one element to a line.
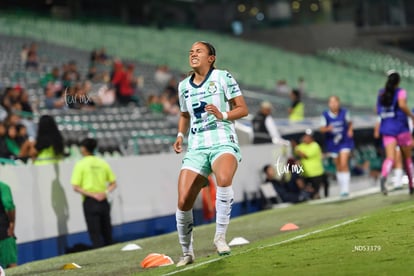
<point>212,88</point>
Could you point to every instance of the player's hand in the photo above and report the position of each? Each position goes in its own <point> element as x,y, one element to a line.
<point>350,133</point>
<point>178,145</point>
<point>329,128</point>
<point>212,109</point>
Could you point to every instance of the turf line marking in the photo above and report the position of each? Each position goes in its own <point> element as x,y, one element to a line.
<point>404,208</point>
<point>266,246</point>
<point>310,233</point>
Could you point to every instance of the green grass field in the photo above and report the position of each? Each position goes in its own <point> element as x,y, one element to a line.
<point>371,235</point>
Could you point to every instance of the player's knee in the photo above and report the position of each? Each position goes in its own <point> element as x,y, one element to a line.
<point>183,204</point>
<point>223,179</point>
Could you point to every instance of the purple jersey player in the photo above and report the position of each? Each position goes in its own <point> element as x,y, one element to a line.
<point>394,113</point>
<point>337,126</point>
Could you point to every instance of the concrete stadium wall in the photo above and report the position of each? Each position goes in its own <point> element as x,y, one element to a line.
<point>49,213</point>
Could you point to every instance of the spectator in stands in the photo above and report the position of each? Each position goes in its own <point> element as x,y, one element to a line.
<point>22,135</point>
<point>66,76</point>
<point>171,88</point>
<point>92,74</point>
<point>162,76</point>
<point>106,96</point>
<point>264,127</point>
<point>102,56</point>
<point>170,105</point>
<point>90,178</point>
<point>78,97</point>
<point>24,103</point>
<point>301,86</point>
<point>11,98</point>
<point>290,188</point>
<point>52,99</point>
<point>32,61</point>
<point>8,246</point>
<point>116,76</point>
<point>52,79</point>
<point>154,104</point>
<point>74,75</point>
<point>296,110</point>
<point>4,149</point>
<point>127,86</point>
<point>394,112</point>
<point>23,53</point>
<point>49,146</point>
<point>94,56</point>
<point>207,115</point>
<point>282,87</point>
<point>15,120</point>
<point>11,141</point>
<point>336,124</point>
<point>310,156</point>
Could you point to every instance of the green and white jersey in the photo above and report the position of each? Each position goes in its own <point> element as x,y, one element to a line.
<point>205,129</point>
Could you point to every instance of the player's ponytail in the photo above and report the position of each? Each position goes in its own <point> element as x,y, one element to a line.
<point>390,88</point>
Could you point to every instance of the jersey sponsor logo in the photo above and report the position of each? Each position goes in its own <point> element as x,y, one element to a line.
<point>209,126</point>
<point>198,109</point>
<point>198,94</point>
<point>186,92</point>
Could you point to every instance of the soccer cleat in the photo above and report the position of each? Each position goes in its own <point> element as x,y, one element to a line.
<point>344,195</point>
<point>221,245</point>
<point>383,187</point>
<point>187,259</point>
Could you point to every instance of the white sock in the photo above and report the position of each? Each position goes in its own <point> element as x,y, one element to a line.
<point>398,175</point>
<point>224,202</point>
<point>343,181</point>
<point>185,230</point>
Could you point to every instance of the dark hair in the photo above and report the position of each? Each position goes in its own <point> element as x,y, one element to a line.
<point>387,96</point>
<point>296,93</point>
<point>265,168</point>
<point>210,47</point>
<point>89,144</point>
<point>48,135</point>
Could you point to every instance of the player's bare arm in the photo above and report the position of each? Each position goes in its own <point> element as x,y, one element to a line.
<point>183,123</point>
<point>239,109</point>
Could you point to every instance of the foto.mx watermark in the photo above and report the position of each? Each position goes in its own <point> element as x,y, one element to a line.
<point>76,98</point>
<point>283,168</point>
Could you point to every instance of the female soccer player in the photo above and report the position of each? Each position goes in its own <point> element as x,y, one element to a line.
<point>337,126</point>
<point>394,112</point>
<point>210,100</point>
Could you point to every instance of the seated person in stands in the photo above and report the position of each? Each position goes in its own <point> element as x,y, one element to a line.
<point>52,99</point>
<point>289,190</point>
<point>154,104</point>
<point>77,97</point>
<point>15,142</point>
<point>4,149</point>
<point>48,147</point>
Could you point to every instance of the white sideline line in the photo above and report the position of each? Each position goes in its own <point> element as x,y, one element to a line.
<point>266,246</point>
<point>403,209</point>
